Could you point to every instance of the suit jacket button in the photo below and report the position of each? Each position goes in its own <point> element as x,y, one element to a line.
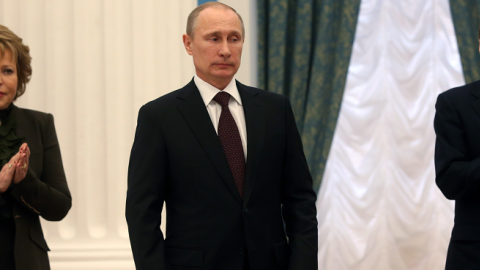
<point>240,250</point>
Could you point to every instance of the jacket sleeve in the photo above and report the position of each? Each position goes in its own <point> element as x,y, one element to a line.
<point>298,200</point>
<point>457,175</point>
<point>47,194</point>
<point>146,193</point>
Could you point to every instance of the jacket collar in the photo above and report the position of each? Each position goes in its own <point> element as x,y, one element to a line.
<point>195,114</point>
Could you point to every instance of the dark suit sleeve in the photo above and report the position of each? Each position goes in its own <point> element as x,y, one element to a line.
<point>46,195</point>
<point>146,193</point>
<point>298,199</point>
<point>457,175</point>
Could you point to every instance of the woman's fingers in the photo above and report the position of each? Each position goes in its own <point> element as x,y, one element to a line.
<point>16,169</point>
<point>23,152</point>
<point>16,157</point>
<point>21,168</point>
<point>23,147</point>
<point>28,154</point>
<point>6,176</point>
<point>20,173</point>
<point>26,150</point>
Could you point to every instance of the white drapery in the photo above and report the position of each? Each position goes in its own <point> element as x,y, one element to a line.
<point>379,207</point>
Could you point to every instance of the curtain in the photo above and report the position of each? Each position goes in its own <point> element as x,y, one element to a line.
<point>379,206</point>
<point>199,2</point>
<point>466,19</point>
<point>304,52</point>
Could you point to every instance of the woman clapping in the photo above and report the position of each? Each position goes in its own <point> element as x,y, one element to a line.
<point>32,179</point>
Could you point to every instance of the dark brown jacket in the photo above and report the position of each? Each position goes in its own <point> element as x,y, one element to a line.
<point>43,192</point>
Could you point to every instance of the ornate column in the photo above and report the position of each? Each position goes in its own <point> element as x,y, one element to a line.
<point>94,64</point>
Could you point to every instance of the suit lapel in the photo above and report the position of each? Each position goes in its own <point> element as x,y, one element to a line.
<point>195,114</point>
<point>255,121</point>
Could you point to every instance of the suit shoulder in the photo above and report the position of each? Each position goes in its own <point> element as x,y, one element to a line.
<point>36,116</point>
<point>165,101</point>
<point>461,92</point>
<point>272,95</point>
<point>170,100</point>
<point>265,95</point>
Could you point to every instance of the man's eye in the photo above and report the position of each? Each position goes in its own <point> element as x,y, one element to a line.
<point>214,39</point>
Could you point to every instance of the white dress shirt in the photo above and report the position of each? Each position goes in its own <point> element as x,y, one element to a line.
<point>208,92</point>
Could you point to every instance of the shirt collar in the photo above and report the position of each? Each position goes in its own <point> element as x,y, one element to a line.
<point>208,91</point>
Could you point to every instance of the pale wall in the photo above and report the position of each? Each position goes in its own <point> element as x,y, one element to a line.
<point>94,64</point>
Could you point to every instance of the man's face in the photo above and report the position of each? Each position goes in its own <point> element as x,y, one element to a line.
<point>216,46</point>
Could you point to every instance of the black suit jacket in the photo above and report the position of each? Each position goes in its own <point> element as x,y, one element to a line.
<point>43,192</point>
<point>177,158</point>
<point>457,160</point>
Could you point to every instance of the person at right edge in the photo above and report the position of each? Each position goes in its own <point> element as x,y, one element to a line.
<point>228,162</point>
<point>457,165</point>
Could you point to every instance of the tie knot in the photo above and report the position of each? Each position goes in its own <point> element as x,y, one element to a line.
<point>222,98</point>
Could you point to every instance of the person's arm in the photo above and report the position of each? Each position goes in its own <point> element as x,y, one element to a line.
<point>457,175</point>
<point>146,192</point>
<point>298,199</point>
<point>46,195</point>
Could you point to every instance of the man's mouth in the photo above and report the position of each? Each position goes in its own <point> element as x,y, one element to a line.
<point>223,64</point>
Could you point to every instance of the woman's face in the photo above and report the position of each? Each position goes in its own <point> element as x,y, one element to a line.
<point>8,80</point>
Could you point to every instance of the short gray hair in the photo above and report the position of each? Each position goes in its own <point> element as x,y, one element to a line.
<point>192,18</point>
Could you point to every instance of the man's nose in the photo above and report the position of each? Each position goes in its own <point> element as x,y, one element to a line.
<point>225,50</point>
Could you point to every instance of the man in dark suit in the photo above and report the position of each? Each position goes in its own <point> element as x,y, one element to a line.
<point>227,160</point>
<point>457,164</point>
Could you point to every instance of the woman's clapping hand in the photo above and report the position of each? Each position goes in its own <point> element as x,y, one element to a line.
<point>22,164</point>
<point>16,169</point>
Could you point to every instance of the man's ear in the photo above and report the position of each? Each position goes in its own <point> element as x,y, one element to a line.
<point>187,42</point>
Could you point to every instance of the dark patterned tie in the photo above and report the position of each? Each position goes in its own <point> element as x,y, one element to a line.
<point>231,141</point>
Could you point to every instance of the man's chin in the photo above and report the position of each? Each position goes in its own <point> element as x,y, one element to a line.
<point>225,74</point>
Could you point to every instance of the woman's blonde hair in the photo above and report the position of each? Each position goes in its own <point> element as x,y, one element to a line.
<point>20,54</point>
